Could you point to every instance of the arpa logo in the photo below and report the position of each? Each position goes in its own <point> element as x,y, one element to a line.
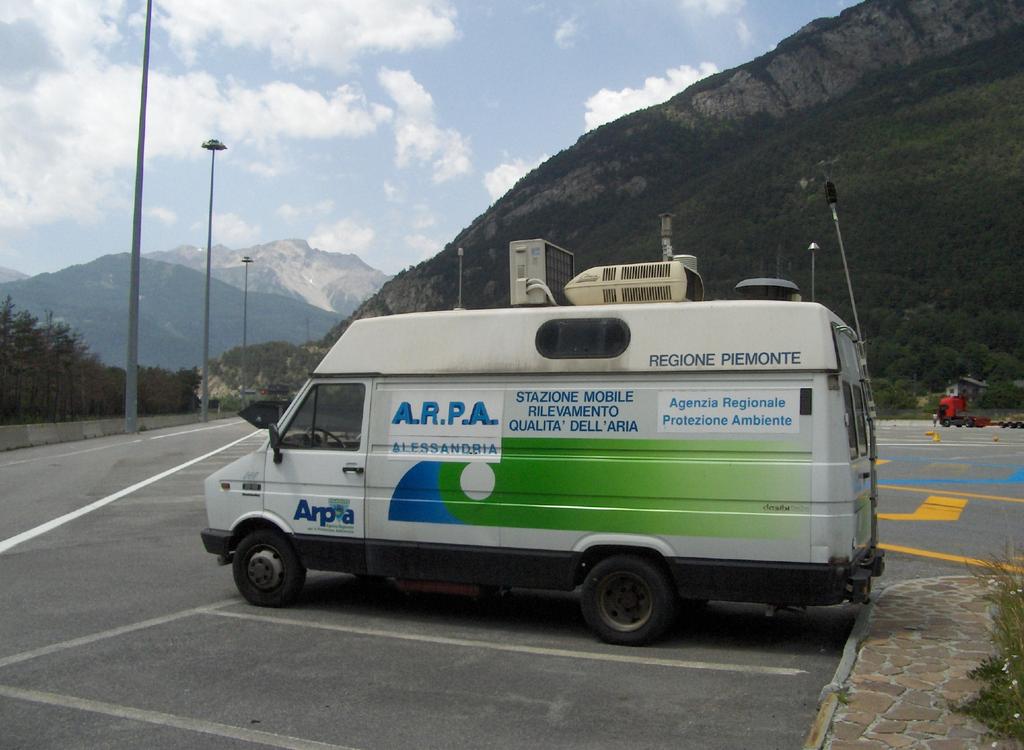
<point>336,516</point>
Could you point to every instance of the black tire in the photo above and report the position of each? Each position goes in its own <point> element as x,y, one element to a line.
<point>628,600</point>
<point>944,423</point>
<point>267,571</point>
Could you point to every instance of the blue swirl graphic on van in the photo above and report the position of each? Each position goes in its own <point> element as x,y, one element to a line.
<point>418,496</point>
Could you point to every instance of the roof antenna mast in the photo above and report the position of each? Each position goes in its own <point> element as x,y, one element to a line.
<point>459,306</point>
<point>832,198</point>
<point>666,237</point>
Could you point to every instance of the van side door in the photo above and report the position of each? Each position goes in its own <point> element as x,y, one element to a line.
<point>315,480</point>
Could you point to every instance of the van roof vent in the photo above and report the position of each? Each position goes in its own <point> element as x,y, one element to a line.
<point>769,289</point>
<point>665,281</point>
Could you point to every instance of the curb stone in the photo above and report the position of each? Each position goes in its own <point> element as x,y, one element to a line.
<point>915,644</point>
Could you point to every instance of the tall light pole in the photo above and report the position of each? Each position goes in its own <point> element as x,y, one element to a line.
<point>245,307</point>
<point>131,369</point>
<point>813,247</point>
<point>213,146</point>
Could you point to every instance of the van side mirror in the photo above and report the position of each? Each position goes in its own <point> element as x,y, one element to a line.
<point>262,414</point>
<point>275,443</point>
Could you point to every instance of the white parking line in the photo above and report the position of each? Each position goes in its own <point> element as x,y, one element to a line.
<point>72,453</point>
<point>534,650</point>
<point>112,633</point>
<point>166,720</point>
<point>67,517</point>
<point>232,423</point>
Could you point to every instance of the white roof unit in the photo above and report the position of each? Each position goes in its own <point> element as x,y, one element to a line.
<point>660,281</point>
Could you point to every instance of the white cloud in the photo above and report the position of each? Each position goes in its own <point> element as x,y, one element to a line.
<point>392,193</point>
<point>743,32</point>
<point>565,34</point>
<point>343,236</point>
<point>232,230</point>
<point>417,136</point>
<point>607,105</point>
<point>161,214</point>
<point>424,247</point>
<point>185,106</point>
<point>423,217</point>
<point>64,136</point>
<point>73,28</point>
<point>501,179</point>
<point>713,7</point>
<point>288,212</point>
<point>326,34</point>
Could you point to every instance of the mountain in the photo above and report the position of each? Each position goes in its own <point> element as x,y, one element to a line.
<point>9,274</point>
<point>93,299</point>
<point>914,108</point>
<point>336,282</point>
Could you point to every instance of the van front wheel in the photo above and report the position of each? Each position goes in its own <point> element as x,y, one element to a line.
<point>267,571</point>
<point>628,600</point>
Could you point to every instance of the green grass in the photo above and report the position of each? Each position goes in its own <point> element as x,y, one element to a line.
<point>1000,703</point>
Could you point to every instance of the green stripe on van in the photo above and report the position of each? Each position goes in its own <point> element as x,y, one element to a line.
<point>680,488</point>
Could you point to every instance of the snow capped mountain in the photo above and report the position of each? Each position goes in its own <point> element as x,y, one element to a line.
<point>331,281</point>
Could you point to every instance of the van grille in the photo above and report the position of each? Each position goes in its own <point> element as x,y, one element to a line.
<point>647,294</point>
<point>646,271</point>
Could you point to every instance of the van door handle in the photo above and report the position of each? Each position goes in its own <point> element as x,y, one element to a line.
<point>352,469</point>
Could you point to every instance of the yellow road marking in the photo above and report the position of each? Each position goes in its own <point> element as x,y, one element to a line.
<point>934,508</point>
<point>943,556</point>
<point>972,495</point>
<point>880,461</point>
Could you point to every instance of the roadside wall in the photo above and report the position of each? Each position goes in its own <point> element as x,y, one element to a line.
<point>26,435</point>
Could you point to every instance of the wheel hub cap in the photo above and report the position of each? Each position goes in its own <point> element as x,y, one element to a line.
<point>265,569</point>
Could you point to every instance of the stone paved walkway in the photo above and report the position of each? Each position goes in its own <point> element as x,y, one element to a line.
<point>924,637</point>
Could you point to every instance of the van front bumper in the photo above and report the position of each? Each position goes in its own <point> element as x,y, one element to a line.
<point>217,541</point>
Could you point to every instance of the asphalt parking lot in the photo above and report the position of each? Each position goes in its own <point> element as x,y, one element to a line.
<point>119,630</point>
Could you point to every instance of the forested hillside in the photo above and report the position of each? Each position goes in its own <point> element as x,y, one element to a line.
<point>928,161</point>
<point>47,374</point>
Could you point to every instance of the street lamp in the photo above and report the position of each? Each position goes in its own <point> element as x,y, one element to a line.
<point>246,260</point>
<point>813,247</point>
<point>131,369</point>
<point>213,146</point>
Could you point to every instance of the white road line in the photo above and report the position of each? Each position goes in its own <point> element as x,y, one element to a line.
<point>535,650</point>
<point>166,720</point>
<point>930,445</point>
<point>67,517</point>
<point>72,453</point>
<point>112,633</point>
<point>232,423</point>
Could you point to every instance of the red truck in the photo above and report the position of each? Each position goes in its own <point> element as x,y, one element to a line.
<point>953,413</point>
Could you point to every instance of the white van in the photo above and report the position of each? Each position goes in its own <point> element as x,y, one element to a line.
<point>649,453</point>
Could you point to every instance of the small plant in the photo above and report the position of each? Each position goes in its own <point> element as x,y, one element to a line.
<point>1000,703</point>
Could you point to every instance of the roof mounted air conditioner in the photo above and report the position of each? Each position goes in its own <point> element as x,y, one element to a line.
<point>663,281</point>
<point>536,270</point>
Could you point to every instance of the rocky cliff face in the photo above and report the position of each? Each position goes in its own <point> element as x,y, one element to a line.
<point>336,282</point>
<point>828,57</point>
<point>819,64</point>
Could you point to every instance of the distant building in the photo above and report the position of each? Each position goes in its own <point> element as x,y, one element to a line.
<point>969,388</point>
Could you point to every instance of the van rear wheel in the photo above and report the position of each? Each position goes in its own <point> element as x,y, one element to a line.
<point>267,571</point>
<point>628,600</point>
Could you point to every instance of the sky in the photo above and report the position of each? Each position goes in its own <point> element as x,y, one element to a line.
<point>376,127</point>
